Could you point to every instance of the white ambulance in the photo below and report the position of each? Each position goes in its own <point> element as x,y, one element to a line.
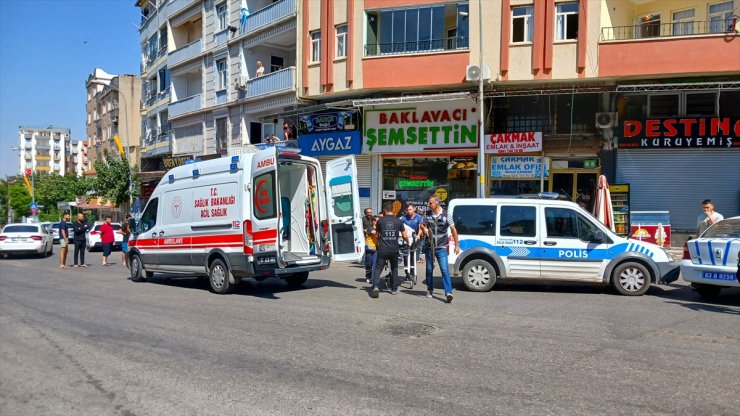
<point>265,214</point>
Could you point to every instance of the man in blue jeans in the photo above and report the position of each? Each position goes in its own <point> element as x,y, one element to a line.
<point>434,227</point>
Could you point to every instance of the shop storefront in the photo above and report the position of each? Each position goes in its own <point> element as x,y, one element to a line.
<point>422,149</point>
<point>329,135</point>
<point>672,164</point>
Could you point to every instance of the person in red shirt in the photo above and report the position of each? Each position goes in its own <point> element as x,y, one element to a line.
<point>107,239</point>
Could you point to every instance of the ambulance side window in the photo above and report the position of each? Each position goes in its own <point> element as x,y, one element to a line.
<point>149,217</point>
<point>263,196</point>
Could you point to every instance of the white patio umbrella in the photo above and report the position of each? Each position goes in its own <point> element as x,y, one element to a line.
<point>603,210</point>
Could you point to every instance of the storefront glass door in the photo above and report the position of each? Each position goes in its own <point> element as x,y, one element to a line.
<point>578,185</point>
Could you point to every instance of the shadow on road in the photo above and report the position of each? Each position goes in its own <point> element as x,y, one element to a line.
<point>688,297</point>
<point>267,289</point>
<point>706,307</point>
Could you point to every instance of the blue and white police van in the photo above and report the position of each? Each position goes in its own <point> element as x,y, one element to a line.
<point>549,240</point>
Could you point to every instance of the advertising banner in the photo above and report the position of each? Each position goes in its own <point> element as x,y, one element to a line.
<point>330,121</point>
<point>410,128</point>
<point>519,167</point>
<point>681,133</point>
<point>330,143</point>
<point>506,143</point>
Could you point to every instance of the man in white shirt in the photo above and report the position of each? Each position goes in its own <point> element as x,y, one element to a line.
<point>709,216</point>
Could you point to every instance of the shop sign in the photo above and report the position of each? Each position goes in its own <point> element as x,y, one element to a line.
<point>415,183</point>
<point>331,121</point>
<point>520,167</point>
<point>506,143</point>
<point>331,143</point>
<point>173,162</point>
<point>681,133</point>
<point>408,128</point>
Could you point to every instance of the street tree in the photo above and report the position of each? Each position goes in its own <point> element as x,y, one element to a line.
<point>20,200</point>
<point>112,180</point>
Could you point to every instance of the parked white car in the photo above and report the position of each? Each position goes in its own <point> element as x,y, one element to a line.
<point>25,239</point>
<point>54,230</point>
<point>710,262</point>
<point>93,237</point>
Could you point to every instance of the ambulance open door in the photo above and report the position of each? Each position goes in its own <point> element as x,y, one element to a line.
<point>265,194</point>
<point>345,222</point>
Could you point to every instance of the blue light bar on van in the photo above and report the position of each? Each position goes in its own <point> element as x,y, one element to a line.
<point>234,159</point>
<point>189,161</point>
<point>196,172</point>
<point>233,166</point>
<point>171,178</point>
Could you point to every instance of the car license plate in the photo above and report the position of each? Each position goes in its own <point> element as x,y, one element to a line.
<point>718,276</point>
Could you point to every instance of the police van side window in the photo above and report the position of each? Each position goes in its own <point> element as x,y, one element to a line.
<point>475,219</point>
<point>586,228</point>
<point>517,221</point>
<point>263,196</point>
<point>561,223</point>
<point>149,217</point>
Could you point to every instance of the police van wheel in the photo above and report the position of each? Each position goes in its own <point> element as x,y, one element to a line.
<point>137,269</point>
<point>218,275</point>
<point>479,275</point>
<point>631,279</point>
<point>297,279</point>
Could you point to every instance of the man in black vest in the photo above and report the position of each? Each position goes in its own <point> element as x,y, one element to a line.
<point>389,229</point>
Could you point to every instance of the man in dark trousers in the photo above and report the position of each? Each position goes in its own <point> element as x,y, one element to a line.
<point>389,229</point>
<point>79,235</point>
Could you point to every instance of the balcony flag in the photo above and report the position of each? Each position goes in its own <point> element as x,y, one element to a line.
<point>245,13</point>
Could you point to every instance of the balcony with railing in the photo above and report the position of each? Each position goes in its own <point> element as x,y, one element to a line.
<point>186,105</point>
<point>178,6</point>
<point>272,83</point>
<point>418,46</point>
<point>266,16</point>
<point>186,52</point>
<point>650,49</point>
<point>157,144</point>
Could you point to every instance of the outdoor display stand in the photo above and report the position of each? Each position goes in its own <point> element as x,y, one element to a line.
<point>620,194</point>
<point>651,226</point>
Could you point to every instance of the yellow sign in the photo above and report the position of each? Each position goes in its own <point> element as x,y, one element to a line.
<point>441,193</point>
<point>28,185</point>
<point>118,143</point>
<point>619,188</point>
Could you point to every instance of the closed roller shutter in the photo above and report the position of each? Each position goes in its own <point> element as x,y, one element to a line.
<point>364,176</point>
<point>678,180</point>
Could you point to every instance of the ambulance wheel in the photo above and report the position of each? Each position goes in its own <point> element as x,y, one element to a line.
<point>218,275</point>
<point>297,279</point>
<point>137,269</point>
<point>707,291</point>
<point>631,279</point>
<point>479,275</point>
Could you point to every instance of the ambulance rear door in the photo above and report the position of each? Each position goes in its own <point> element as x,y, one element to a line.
<point>345,223</point>
<point>265,210</point>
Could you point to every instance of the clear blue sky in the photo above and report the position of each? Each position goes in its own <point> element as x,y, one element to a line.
<point>47,50</point>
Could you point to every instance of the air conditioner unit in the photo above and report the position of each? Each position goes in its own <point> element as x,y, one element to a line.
<point>606,120</point>
<point>473,72</point>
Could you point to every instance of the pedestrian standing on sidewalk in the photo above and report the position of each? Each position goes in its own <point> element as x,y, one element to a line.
<point>128,227</point>
<point>709,217</point>
<point>107,238</point>
<point>79,236</point>
<point>435,225</point>
<point>389,230</point>
<point>63,240</point>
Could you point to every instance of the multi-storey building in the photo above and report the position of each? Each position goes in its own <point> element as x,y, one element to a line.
<point>202,92</point>
<point>112,110</point>
<point>572,90</point>
<point>44,149</point>
<point>78,151</point>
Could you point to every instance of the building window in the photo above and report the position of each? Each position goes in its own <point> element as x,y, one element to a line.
<point>316,46</point>
<point>566,21</point>
<point>663,105</point>
<point>164,80</point>
<point>276,63</point>
<point>701,104</point>
<point>720,17</point>
<point>341,41</point>
<point>521,24</point>
<point>221,74</point>
<point>163,39</point>
<point>648,26</point>
<point>683,22</point>
<point>221,135</point>
<point>221,17</point>
<point>417,29</point>
<point>684,104</point>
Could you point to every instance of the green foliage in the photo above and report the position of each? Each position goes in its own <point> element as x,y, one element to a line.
<point>112,181</point>
<point>20,200</point>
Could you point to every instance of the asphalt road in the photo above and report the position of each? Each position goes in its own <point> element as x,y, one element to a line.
<point>91,342</point>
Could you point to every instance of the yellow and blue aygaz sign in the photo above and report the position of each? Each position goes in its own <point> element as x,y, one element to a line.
<point>333,143</point>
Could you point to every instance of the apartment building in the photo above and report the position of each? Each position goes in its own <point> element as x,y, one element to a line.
<point>112,110</point>
<point>78,150</point>
<point>202,91</point>
<point>44,149</point>
<point>572,90</point>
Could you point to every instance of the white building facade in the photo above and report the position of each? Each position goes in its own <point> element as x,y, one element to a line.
<point>44,149</point>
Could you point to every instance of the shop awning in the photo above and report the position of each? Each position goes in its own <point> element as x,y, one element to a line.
<point>682,86</point>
